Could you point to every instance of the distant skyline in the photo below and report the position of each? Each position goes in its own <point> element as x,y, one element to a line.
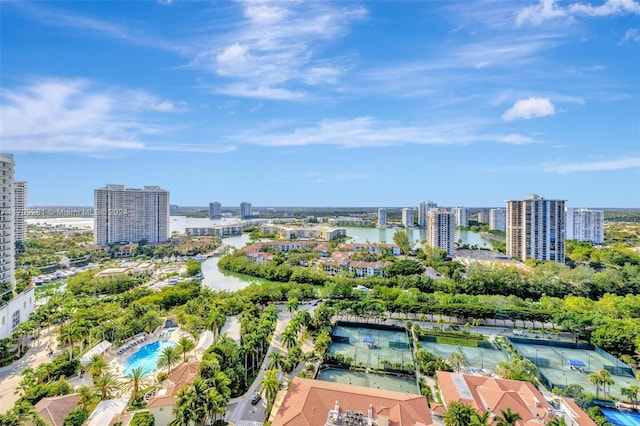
<point>324,103</point>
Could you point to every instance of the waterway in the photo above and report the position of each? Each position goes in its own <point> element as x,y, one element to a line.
<point>216,279</point>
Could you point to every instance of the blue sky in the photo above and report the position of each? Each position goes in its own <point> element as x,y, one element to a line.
<point>345,103</point>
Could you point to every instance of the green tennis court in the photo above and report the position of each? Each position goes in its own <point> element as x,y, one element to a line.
<point>369,380</point>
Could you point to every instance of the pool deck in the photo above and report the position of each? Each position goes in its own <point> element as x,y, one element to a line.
<point>117,360</point>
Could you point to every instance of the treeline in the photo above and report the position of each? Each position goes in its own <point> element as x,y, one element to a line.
<point>89,283</point>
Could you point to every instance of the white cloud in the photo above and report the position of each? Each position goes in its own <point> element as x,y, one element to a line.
<point>596,166</point>
<point>632,35</point>
<point>77,115</point>
<point>277,46</point>
<point>549,9</point>
<point>361,132</point>
<point>529,108</point>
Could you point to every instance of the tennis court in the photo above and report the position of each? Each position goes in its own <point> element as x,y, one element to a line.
<point>621,418</point>
<point>370,380</point>
<point>371,347</point>
<point>553,363</point>
<point>477,358</point>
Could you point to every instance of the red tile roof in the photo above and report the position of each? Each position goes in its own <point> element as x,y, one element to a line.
<point>308,402</point>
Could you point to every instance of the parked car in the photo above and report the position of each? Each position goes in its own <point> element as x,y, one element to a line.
<point>255,399</point>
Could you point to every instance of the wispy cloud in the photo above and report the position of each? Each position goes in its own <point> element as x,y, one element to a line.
<point>275,48</point>
<point>549,9</point>
<point>63,18</point>
<point>361,132</point>
<point>632,35</point>
<point>78,115</point>
<point>595,166</point>
<point>529,108</point>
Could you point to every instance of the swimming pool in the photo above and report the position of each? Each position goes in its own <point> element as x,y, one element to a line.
<point>621,418</point>
<point>146,357</point>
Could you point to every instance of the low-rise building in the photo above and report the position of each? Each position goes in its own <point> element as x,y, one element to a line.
<point>162,403</point>
<point>218,230</point>
<point>318,403</point>
<point>55,409</point>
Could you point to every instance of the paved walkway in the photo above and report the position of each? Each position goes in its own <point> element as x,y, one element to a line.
<point>10,375</point>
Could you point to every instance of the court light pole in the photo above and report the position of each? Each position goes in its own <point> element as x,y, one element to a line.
<point>589,367</point>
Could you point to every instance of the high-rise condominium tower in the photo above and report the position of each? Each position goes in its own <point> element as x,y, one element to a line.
<point>440,229</point>
<point>131,215</point>
<point>423,211</point>
<point>245,210</point>
<point>498,220</point>
<point>215,210</point>
<point>585,225</point>
<point>536,228</point>
<point>382,217</point>
<point>19,209</point>
<point>7,209</point>
<point>15,308</point>
<point>407,217</point>
<point>460,215</point>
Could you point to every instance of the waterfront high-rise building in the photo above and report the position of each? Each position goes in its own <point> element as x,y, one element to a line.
<point>460,215</point>
<point>19,210</point>
<point>498,219</point>
<point>441,229</point>
<point>382,217</point>
<point>407,217</point>
<point>245,210</point>
<point>215,210</point>
<point>536,228</point>
<point>7,194</point>
<point>131,215</point>
<point>483,217</point>
<point>585,225</point>
<point>15,308</point>
<point>423,211</point>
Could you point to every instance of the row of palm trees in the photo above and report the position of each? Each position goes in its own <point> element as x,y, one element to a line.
<point>602,379</point>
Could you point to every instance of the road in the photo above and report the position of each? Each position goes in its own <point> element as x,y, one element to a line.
<point>240,412</point>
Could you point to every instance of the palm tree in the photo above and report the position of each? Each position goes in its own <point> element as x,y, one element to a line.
<point>97,365</point>
<point>276,359</point>
<point>288,338</point>
<point>632,393</point>
<point>185,345</point>
<point>606,381</point>
<point>68,335</point>
<point>557,421</point>
<point>481,419</point>
<point>457,360</point>
<point>215,321</point>
<point>106,385</point>
<point>270,386</point>
<point>459,414</point>
<point>183,412</point>
<point>86,396</point>
<point>135,380</point>
<point>168,358</point>
<point>220,382</point>
<point>292,305</point>
<point>595,380</point>
<point>507,418</point>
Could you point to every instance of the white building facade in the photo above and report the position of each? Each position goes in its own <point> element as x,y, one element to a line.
<point>460,216</point>
<point>441,229</point>
<point>407,217</point>
<point>498,220</point>
<point>19,210</point>
<point>536,229</point>
<point>382,217</point>
<point>423,212</point>
<point>17,309</point>
<point>585,225</point>
<point>245,210</point>
<point>131,215</point>
<point>215,210</point>
<point>7,248</point>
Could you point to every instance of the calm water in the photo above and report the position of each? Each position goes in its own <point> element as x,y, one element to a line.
<point>146,357</point>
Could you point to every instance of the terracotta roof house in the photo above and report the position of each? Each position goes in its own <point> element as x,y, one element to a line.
<point>318,403</point>
<point>493,395</point>
<point>161,404</point>
<point>55,409</point>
